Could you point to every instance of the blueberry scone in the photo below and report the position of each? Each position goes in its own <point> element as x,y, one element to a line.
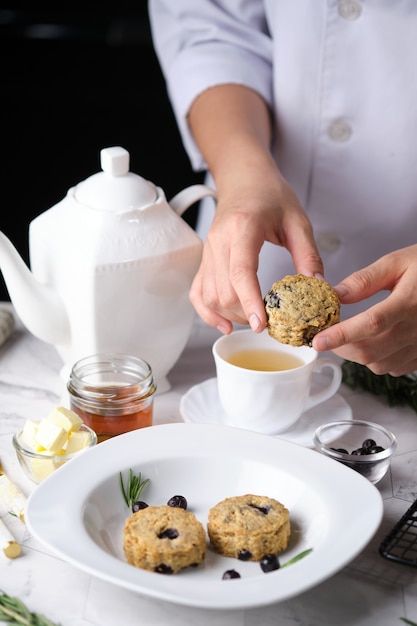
<point>298,307</point>
<point>164,539</point>
<point>249,527</point>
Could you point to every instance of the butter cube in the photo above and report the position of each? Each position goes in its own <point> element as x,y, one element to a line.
<point>77,441</point>
<point>41,468</point>
<point>65,418</point>
<point>50,436</point>
<point>29,432</point>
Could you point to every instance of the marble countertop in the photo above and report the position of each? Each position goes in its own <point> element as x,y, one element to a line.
<point>370,591</point>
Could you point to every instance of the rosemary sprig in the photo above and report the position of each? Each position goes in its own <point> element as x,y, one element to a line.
<point>401,390</point>
<point>297,557</point>
<point>13,611</point>
<point>407,621</point>
<point>134,487</point>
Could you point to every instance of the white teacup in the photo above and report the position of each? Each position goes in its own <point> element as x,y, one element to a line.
<point>271,401</point>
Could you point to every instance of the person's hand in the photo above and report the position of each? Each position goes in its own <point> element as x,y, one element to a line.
<point>384,338</point>
<point>264,208</point>
<point>231,124</point>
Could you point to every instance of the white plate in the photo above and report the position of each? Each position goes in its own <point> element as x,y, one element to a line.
<point>79,512</point>
<point>201,404</point>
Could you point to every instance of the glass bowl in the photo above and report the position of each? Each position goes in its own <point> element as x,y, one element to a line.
<point>37,465</point>
<point>363,446</point>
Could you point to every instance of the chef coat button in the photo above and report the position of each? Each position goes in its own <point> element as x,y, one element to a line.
<point>327,241</point>
<point>340,130</point>
<point>349,9</point>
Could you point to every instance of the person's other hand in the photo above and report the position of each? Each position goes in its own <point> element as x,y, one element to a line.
<point>384,338</point>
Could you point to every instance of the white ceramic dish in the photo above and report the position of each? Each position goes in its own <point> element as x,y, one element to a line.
<point>201,404</point>
<point>79,512</point>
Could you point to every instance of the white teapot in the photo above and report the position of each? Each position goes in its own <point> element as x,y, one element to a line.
<point>112,265</point>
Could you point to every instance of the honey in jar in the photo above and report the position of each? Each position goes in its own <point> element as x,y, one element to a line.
<point>112,393</point>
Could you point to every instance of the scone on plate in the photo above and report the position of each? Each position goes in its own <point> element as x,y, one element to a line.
<point>164,539</point>
<point>298,307</point>
<point>248,527</point>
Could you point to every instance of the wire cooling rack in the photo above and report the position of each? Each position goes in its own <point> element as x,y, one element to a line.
<point>400,544</point>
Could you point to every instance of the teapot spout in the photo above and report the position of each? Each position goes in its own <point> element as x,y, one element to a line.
<point>40,309</point>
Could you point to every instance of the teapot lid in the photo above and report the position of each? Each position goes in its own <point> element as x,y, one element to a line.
<point>115,188</point>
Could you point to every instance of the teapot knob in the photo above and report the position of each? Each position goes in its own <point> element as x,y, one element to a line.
<point>115,189</point>
<point>115,161</point>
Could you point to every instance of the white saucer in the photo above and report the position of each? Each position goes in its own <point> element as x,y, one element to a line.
<point>201,404</point>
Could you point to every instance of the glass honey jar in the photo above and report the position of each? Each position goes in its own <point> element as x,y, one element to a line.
<point>112,393</point>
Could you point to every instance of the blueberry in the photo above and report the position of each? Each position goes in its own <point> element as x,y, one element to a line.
<point>229,574</point>
<point>368,443</point>
<point>169,533</point>
<point>375,449</point>
<point>163,569</point>
<point>358,452</point>
<point>178,502</point>
<point>269,563</point>
<point>272,299</point>
<point>244,555</point>
<point>138,506</point>
<point>263,509</point>
<point>368,447</point>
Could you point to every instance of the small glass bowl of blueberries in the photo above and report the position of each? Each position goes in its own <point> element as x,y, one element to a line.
<point>363,446</point>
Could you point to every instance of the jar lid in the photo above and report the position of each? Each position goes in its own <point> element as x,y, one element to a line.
<point>111,380</point>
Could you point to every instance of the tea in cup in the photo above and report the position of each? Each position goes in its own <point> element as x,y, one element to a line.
<point>266,386</point>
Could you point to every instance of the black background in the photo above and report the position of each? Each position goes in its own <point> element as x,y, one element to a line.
<point>72,83</point>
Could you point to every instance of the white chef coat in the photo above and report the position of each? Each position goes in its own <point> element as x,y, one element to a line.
<point>340,77</point>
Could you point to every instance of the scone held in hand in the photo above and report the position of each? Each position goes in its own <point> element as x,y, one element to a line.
<point>298,307</point>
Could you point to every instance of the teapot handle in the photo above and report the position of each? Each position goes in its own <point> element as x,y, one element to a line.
<point>187,197</point>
